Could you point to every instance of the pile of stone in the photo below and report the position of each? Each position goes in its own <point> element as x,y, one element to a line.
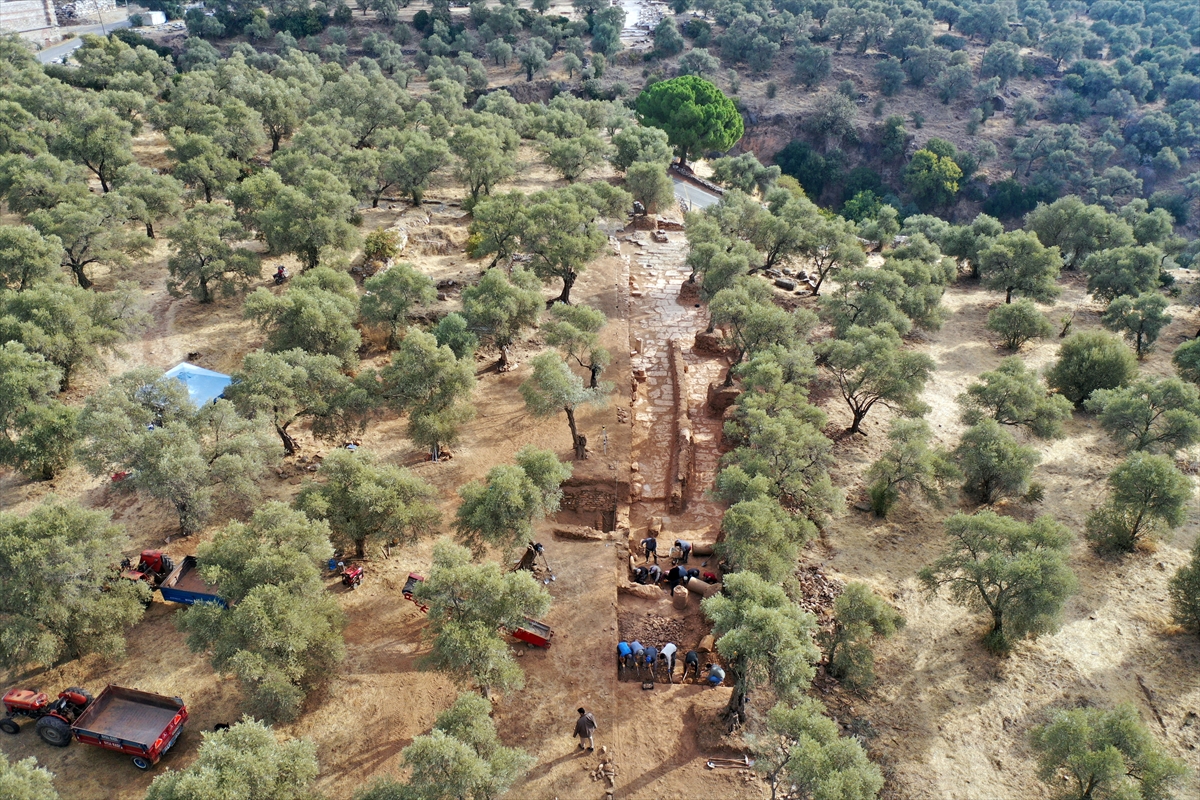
<point>651,629</point>
<point>82,9</point>
<point>606,771</point>
<point>818,592</point>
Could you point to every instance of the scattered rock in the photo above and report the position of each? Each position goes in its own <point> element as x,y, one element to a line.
<point>711,343</point>
<point>786,284</point>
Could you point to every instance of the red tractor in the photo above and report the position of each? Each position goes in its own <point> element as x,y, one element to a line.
<point>352,576</point>
<point>153,567</point>
<point>54,719</point>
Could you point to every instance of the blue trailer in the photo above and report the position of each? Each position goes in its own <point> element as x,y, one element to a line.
<point>184,585</point>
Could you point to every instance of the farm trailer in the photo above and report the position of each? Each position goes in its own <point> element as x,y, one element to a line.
<point>130,721</point>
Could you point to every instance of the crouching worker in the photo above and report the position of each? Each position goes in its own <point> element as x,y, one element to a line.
<point>624,654</point>
<point>716,675</point>
<point>666,660</point>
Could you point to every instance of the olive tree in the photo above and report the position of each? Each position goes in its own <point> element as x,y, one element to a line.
<point>1088,361</point>
<point>470,607</point>
<point>1017,323</point>
<point>25,780</point>
<point>800,746</point>
<point>296,384</point>
<point>765,640</point>
<point>461,757</point>
<point>316,314</point>
<point>994,465</point>
<point>1139,319</point>
<point>58,599</point>
<point>70,326</point>
<point>502,510</point>
<point>909,463</point>
<point>553,388</point>
<point>391,294</point>
<point>1146,495</point>
<point>203,256</point>
<point>37,432</point>
<point>1014,395</point>
<point>1092,752</point>
<point>247,759</point>
<point>144,424</point>
<point>1017,263</point>
<point>1122,271</point>
<point>1015,571</point>
<point>27,257</point>
<point>429,383</point>
<point>499,308</point>
<point>364,501</point>
<point>1150,415</point>
<point>575,331</point>
<point>859,615</point>
<point>871,367</point>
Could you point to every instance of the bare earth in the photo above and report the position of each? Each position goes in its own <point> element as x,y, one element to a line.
<point>945,719</point>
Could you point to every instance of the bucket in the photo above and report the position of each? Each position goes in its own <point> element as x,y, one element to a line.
<point>679,597</point>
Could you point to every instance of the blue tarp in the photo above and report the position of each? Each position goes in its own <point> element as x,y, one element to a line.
<point>203,385</point>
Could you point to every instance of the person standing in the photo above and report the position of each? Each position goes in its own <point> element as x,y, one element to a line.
<point>650,549</point>
<point>585,728</point>
<point>685,550</point>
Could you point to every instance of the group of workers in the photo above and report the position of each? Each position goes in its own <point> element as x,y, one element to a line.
<point>680,553</point>
<point>634,655</point>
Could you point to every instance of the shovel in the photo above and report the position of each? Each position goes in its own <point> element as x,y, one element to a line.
<point>546,561</point>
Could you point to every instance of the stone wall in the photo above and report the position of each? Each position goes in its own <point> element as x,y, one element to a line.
<point>19,16</point>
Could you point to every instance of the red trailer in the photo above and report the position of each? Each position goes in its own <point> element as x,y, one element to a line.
<point>534,633</point>
<point>133,722</point>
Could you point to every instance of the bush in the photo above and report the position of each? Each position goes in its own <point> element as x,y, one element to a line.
<point>859,615</point>
<point>381,244</point>
<point>1090,361</point>
<point>1184,590</point>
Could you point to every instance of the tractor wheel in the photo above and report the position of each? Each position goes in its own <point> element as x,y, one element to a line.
<point>84,692</point>
<point>54,731</point>
<point>10,726</point>
<point>141,763</point>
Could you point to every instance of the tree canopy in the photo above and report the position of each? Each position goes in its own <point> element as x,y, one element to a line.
<point>1012,570</point>
<point>695,114</point>
<point>61,599</point>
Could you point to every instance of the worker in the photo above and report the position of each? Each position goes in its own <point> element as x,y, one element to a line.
<point>650,548</point>
<point>651,659</point>
<point>624,651</point>
<point>691,661</point>
<point>676,576</point>
<point>709,577</point>
<point>666,657</point>
<point>716,675</point>
<point>635,655</point>
<point>653,575</point>
<point>693,573</point>
<point>639,574</point>
<point>585,728</point>
<point>685,550</point>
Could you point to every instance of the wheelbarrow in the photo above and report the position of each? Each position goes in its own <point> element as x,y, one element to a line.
<point>410,587</point>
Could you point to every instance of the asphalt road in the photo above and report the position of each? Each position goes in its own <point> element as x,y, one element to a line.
<point>693,196</point>
<point>62,50</point>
